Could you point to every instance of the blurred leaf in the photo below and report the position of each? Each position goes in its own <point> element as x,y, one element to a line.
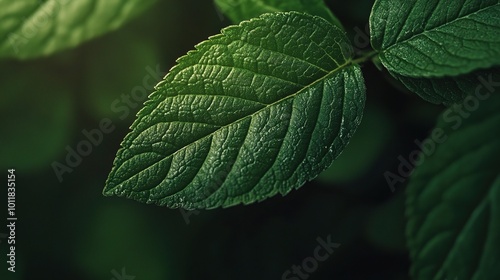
<point>240,10</point>
<point>436,38</point>
<point>453,200</point>
<point>360,154</point>
<point>37,116</point>
<point>281,117</point>
<point>32,28</point>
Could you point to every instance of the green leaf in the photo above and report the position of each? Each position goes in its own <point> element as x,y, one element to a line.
<point>240,10</point>
<point>33,28</point>
<point>449,90</point>
<point>435,38</point>
<point>453,200</point>
<point>258,110</point>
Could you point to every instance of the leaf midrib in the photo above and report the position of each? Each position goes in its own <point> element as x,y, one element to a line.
<point>393,45</point>
<point>461,231</point>
<point>306,87</point>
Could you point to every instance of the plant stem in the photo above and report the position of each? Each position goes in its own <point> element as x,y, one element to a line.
<point>366,56</point>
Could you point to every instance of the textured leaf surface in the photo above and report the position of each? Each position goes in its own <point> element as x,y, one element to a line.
<point>434,38</point>
<point>449,90</point>
<point>256,111</point>
<point>240,10</point>
<point>32,28</point>
<point>453,200</point>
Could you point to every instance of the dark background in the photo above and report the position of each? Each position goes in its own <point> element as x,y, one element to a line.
<point>68,230</point>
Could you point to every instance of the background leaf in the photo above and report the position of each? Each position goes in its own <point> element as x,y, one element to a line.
<point>449,90</point>
<point>453,198</point>
<point>258,110</point>
<point>34,28</point>
<point>240,10</point>
<point>435,38</point>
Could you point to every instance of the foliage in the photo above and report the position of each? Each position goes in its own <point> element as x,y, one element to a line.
<point>266,106</point>
<point>262,124</point>
<point>33,28</point>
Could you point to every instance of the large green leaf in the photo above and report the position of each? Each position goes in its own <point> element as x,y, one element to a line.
<point>32,28</point>
<point>239,10</point>
<point>434,38</point>
<point>453,200</point>
<point>449,90</point>
<point>256,111</point>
